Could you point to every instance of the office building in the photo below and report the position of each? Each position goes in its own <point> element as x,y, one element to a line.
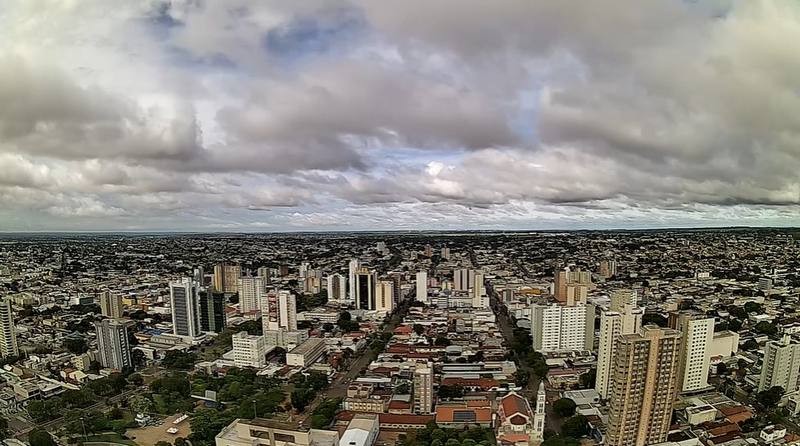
<point>781,365</point>
<point>267,432</point>
<point>111,305</point>
<point>8,333</point>
<point>562,328</point>
<point>422,287</point>
<point>226,278</point>
<point>279,311</point>
<point>337,288</point>
<point>365,289</point>
<point>697,334</point>
<point>251,293</point>
<point>352,268</point>
<point>643,387</point>
<point>306,353</point>
<point>212,311</point>
<point>249,350</point>
<point>112,344</point>
<point>423,388</point>
<point>384,296</point>
<point>183,298</point>
<point>626,319</point>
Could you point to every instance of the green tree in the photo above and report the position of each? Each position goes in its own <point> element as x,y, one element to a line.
<point>771,397</point>
<point>76,345</point>
<point>419,329</point>
<point>40,437</point>
<point>753,307</point>
<point>575,427</point>
<point>588,379</point>
<point>766,328</point>
<point>4,431</point>
<point>564,407</point>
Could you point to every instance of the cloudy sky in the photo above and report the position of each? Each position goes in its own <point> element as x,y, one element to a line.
<point>200,115</point>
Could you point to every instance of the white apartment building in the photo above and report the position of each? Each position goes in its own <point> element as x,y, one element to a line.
<point>422,287</point>
<point>697,334</point>
<point>423,389</point>
<point>185,308</point>
<point>111,305</point>
<point>249,350</point>
<point>251,293</point>
<point>562,328</point>
<point>337,288</point>
<point>279,311</point>
<point>479,297</point>
<point>384,296</point>
<point>8,334</point>
<point>781,365</point>
<point>612,325</point>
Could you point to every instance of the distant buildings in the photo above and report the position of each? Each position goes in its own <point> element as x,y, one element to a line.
<point>249,350</point>
<point>463,279</point>
<point>365,281</point>
<point>8,334</point>
<point>337,288</point>
<point>113,344</point>
<point>571,286</point>
<point>479,297</point>
<point>226,278</point>
<point>781,365</point>
<point>352,268</point>
<point>111,305</point>
<point>608,268</point>
<point>384,296</point>
<point>183,296</point>
<point>643,387</point>
<point>279,311</point>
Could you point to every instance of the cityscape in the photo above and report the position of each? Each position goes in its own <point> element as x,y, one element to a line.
<point>633,338</point>
<point>399,223</point>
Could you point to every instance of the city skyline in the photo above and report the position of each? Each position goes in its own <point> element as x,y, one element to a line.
<point>240,116</point>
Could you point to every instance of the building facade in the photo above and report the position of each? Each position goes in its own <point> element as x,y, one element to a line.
<point>613,324</point>
<point>562,328</point>
<point>113,344</point>
<point>185,308</point>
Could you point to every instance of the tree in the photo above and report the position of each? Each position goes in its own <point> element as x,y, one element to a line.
<point>654,319</point>
<point>766,328</point>
<point>588,379</point>
<point>4,432</point>
<point>575,427</point>
<point>40,437</point>
<point>180,441</point>
<point>76,345</point>
<point>734,325</point>
<point>136,379</point>
<point>419,329</point>
<point>722,368</point>
<point>771,397</point>
<point>141,404</point>
<point>564,407</point>
<point>750,345</point>
<point>753,307</point>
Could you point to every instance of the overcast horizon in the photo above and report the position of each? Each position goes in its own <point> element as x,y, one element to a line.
<point>271,116</point>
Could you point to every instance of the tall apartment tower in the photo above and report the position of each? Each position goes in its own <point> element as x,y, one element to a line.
<point>183,298</point>
<point>539,414</point>
<point>226,278</point>
<point>384,296</point>
<point>479,297</point>
<point>422,287</point>
<point>463,279</point>
<point>781,365</point>
<point>643,387</point>
<point>571,286</point>
<point>697,335</point>
<point>562,328</point>
<point>337,288</point>
<point>352,268</point>
<point>212,311</point>
<point>365,289</point>
<point>8,334</point>
<point>608,268</point>
<point>113,345</point>
<point>423,388</point>
<point>111,305</point>
<point>251,293</point>
<point>249,350</point>
<point>626,319</point>
<point>280,311</point>
<point>621,298</point>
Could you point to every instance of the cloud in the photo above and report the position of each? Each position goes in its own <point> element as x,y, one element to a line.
<point>178,114</point>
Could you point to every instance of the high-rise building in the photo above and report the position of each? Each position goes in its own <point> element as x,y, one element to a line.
<point>337,288</point>
<point>643,387</point>
<point>608,268</point>
<point>264,273</point>
<point>624,320</point>
<point>397,279</point>
<point>352,268</point>
<point>422,287</point>
<point>697,335</point>
<point>113,344</point>
<point>110,304</point>
<point>781,365</point>
<point>183,297</point>
<point>384,296</point>
<point>428,251</point>
<point>445,253</point>
<point>539,415</point>
<point>303,271</point>
<point>621,298</point>
<point>463,279</point>
<point>212,311</point>
<point>365,289</point>
<point>279,311</point>
<point>249,350</point>
<point>479,297</point>
<point>251,293</point>
<point>571,286</point>
<point>562,328</point>
<point>8,333</point>
<point>423,388</point>
<point>226,278</point>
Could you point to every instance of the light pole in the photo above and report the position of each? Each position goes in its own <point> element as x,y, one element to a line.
<point>255,412</point>
<point>85,437</point>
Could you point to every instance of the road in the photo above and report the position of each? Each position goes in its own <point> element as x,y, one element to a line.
<point>338,388</point>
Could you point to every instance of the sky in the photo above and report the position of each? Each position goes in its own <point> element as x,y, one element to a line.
<point>233,115</point>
